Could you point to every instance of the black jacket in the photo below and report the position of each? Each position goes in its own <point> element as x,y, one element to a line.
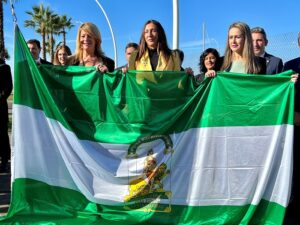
<point>106,61</point>
<point>5,90</point>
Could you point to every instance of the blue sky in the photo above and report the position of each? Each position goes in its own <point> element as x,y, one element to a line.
<point>280,19</point>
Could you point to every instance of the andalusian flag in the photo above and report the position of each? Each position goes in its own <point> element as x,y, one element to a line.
<point>148,148</point>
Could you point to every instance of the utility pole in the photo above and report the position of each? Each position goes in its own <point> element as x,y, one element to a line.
<point>203,36</point>
<point>175,24</point>
<point>112,33</point>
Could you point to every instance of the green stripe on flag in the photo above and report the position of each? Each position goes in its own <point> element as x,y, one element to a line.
<point>99,106</point>
<point>38,203</point>
<point>148,147</point>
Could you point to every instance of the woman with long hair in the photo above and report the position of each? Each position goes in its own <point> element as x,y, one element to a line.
<point>154,53</point>
<point>89,51</point>
<point>61,55</point>
<point>239,54</point>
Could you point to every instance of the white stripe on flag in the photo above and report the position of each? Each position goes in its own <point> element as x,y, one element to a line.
<point>209,166</point>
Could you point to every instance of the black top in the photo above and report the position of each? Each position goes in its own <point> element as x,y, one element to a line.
<point>153,58</point>
<point>109,63</point>
<point>274,64</point>
<point>5,90</point>
<point>45,62</point>
<point>106,61</point>
<point>5,81</point>
<point>294,65</point>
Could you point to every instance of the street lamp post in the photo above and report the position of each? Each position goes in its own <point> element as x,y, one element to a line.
<point>112,33</point>
<point>203,36</point>
<point>217,43</point>
<point>175,24</point>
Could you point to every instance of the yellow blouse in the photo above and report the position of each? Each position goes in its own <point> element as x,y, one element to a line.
<point>173,64</point>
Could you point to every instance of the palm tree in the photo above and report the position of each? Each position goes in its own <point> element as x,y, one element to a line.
<point>65,23</point>
<point>50,48</point>
<point>39,19</point>
<point>52,29</point>
<point>2,46</point>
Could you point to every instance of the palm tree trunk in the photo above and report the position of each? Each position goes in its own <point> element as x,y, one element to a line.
<point>51,47</point>
<point>64,37</point>
<point>2,47</point>
<point>44,45</point>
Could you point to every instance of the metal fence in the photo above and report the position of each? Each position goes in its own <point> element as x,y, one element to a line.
<point>284,46</point>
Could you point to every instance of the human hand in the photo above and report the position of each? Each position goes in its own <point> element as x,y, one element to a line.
<point>101,68</point>
<point>124,69</point>
<point>189,71</point>
<point>210,73</point>
<point>294,77</point>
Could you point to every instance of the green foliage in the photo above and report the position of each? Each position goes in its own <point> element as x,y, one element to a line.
<point>48,24</point>
<point>6,54</point>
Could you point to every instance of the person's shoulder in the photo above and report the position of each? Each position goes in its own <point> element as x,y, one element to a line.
<point>4,66</point>
<point>45,62</point>
<point>72,60</point>
<point>108,60</point>
<point>110,63</point>
<point>293,64</point>
<point>272,57</point>
<point>293,61</point>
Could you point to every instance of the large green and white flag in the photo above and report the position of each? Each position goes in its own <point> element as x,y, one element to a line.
<point>148,148</point>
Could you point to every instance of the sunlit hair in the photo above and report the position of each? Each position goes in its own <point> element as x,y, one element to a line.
<point>251,64</point>
<point>162,45</point>
<point>213,51</point>
<point>94,32</point>
<point>64,47</point>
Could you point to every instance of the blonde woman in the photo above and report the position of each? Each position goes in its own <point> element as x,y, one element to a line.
<point>88,49</point>
<point>239,55</point>
<point>61,55</point>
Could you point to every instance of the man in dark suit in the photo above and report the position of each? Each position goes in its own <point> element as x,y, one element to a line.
<point>129,49</point>
<point>294,205</point>
<point>5,90</point>
<point>260,41</point>
<point>35,49</point>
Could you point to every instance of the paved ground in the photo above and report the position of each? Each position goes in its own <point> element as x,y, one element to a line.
<point>5,177</point>
<point>4,192</point>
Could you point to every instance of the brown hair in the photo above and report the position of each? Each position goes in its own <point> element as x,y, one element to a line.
<point>66,48</point>
<point>162,41</point>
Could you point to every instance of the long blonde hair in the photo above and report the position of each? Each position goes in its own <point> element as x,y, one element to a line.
<point>251,63</point>
<point>94,32</point>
